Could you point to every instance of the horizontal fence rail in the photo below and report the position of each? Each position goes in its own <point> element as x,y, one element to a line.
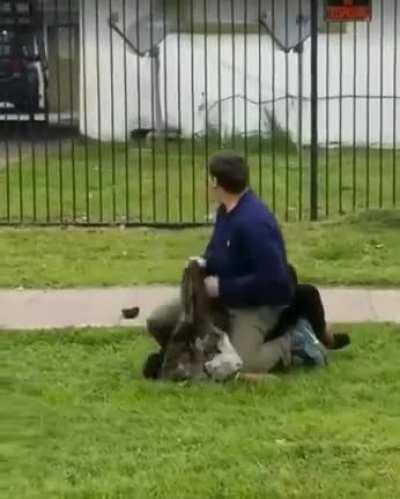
<point>110,109</point>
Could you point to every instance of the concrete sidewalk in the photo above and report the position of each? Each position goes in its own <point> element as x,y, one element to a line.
<point>30,310</point>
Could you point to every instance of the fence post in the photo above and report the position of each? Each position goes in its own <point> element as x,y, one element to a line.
<point>314,111</point>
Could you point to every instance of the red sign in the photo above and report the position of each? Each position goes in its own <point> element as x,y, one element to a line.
<point>348,10</point>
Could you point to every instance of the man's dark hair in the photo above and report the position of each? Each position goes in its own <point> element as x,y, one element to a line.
<point>230,171</point>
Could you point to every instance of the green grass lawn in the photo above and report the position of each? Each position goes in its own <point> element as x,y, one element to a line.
<point>105,183</point>
<point>77,421</point>
<point>362,250</point>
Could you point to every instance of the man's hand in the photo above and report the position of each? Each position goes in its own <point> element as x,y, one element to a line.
<point>199,259</point>
<point>212,286</point>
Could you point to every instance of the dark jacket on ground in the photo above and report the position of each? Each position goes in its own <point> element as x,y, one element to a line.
<point>247,253</point>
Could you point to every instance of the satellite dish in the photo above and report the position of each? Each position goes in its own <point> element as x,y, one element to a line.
<point>289,25</point>
<point>147,25</point>
<point>147,29</point>
<point>146,34</point>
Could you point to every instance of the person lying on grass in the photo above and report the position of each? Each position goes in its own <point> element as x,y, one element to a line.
<point>247,272</point>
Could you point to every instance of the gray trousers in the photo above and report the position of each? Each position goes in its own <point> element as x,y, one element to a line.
<point>249,327</point>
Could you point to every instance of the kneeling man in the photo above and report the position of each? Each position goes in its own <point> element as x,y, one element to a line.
<point>247,270</point>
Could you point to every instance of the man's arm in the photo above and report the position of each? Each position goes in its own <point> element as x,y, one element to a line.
<point>208,253</point>
<point>269,284</point>
<point>206,257</point>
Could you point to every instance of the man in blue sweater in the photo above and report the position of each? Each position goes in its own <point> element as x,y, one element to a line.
<point>247,270</point>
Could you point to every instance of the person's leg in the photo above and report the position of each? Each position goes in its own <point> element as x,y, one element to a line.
<point>163,320</point>
<point>308,305</point>
<point>249,327</point>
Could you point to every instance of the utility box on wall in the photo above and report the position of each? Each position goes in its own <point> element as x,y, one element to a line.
<point>348,10</point>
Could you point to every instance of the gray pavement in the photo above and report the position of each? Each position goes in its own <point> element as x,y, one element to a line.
<point>55,309</point>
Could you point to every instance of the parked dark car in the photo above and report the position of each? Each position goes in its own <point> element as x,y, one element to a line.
<point>19,70</point>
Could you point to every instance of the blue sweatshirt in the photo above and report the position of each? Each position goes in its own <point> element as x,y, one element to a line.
<point>247,253</point>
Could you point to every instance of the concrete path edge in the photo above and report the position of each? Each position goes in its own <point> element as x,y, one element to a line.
<point>73,308</point>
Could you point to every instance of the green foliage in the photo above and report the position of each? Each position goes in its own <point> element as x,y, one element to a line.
<point>361,250</point>
<point>78,421</point>
<point>104,183</point>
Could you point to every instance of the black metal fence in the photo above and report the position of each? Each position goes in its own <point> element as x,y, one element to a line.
<point>109,109</point>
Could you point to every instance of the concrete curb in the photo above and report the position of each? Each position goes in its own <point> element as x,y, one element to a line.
<point>59,309</point>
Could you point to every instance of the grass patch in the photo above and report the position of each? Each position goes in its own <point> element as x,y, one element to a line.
<point>74,182</point>
<point>362,250</point>
<point>77,421</point>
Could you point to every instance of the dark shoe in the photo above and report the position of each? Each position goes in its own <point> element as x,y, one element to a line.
<point>340,340</point>
<point>153,364</point>
<point>130,313</point>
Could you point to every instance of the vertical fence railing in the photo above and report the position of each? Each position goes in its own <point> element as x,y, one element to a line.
<point>314,112</point>
<point>179,78</point>
<point>260,130</point>
<point>354,165</point>
<point>340,121</point>
<point>395,97</point>
<point>99,115</point>
<point>327,115</point>
<point>119,105</point>
<point>273,124</point>
<point>300,90</point>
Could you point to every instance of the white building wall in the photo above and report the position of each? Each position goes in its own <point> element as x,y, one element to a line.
<point>109,86</point>
<point>247,75</point>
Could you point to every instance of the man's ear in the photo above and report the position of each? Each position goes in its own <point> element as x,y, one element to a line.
<point>214,182</point>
